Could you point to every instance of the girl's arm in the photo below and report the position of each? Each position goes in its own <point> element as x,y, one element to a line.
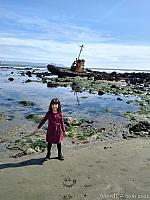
<point>43,120</point>
<point>62,123</point>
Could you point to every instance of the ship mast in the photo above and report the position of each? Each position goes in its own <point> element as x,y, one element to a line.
<point>80,51</point>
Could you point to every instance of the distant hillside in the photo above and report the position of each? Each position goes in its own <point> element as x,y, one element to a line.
<point>26,64</point>
<point>21,63</point>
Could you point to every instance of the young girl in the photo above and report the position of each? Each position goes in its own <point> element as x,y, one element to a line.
<point>56,129</point>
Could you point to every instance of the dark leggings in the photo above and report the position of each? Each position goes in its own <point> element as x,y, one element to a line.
<point>49,145</point>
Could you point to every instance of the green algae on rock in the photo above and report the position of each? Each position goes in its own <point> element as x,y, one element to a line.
<point>2,118</point>
<point>28,141</point>
<point>26,103</point>
<point>34,117</point>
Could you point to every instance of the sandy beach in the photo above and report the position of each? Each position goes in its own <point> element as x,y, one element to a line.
<point>106,154</point>
<point>106,170</point>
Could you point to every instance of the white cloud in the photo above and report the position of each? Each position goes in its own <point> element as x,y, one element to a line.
<point>43,40</point>
<point>119,55</point>
<point>96,55</point>
<point>62,31</point>
<point>53,29</point>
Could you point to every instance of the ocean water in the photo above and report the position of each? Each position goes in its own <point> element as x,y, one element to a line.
<point>91,106</point>
<point>43,67</point>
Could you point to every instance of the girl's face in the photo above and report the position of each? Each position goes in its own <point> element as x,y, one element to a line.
<point>55,107</point>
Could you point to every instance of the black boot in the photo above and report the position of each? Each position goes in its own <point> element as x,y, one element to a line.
<point>49,145</point>
<point>60,156</point>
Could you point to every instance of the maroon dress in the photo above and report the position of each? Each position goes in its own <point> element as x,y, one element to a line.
<point>56,127</point>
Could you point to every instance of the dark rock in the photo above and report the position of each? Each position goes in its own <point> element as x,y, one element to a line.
<point>10,79</point>
<point>124,136</point>
<point>128,102</point>
<point>28,73</point>
<point>113,86</point>
<point>26,103</point>
<point>22,73</point>
<point>100,92</point>
<point>86,121</point>
<point>52,84</point>
<point>119,99</point>
<point>44,80</point>
<point>27,81</point>
<point>106,147</point>
<point>71,121</point>
<point>17,155</point>
<point>140,126</point>
<point>102,129</point>
<point>28,68</point>
<point>39,75</point>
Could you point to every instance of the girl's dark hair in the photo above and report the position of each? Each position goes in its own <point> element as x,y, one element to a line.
<point>55,101</point>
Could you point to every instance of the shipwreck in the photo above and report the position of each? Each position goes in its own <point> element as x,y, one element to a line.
<point>77,68</point>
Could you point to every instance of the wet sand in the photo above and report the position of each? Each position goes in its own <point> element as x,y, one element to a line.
<point>93,172</point>
<point>114,168</point>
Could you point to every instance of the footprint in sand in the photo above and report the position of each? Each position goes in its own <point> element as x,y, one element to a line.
<point>123,169</point>
<point>87,185</point>
<point>67,196</point>
<point>146,166</point>
<point>99,161</point>
<point>106,147</point>
<point>69,181</point>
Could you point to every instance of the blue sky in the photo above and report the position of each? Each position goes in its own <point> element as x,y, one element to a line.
<point>115,33</point>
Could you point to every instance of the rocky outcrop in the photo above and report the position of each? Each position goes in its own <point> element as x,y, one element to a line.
<point>10,79</point>
<point>130,78</point>
<point>142,128</point>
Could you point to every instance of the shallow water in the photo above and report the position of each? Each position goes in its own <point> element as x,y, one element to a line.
<point>91,106</point>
